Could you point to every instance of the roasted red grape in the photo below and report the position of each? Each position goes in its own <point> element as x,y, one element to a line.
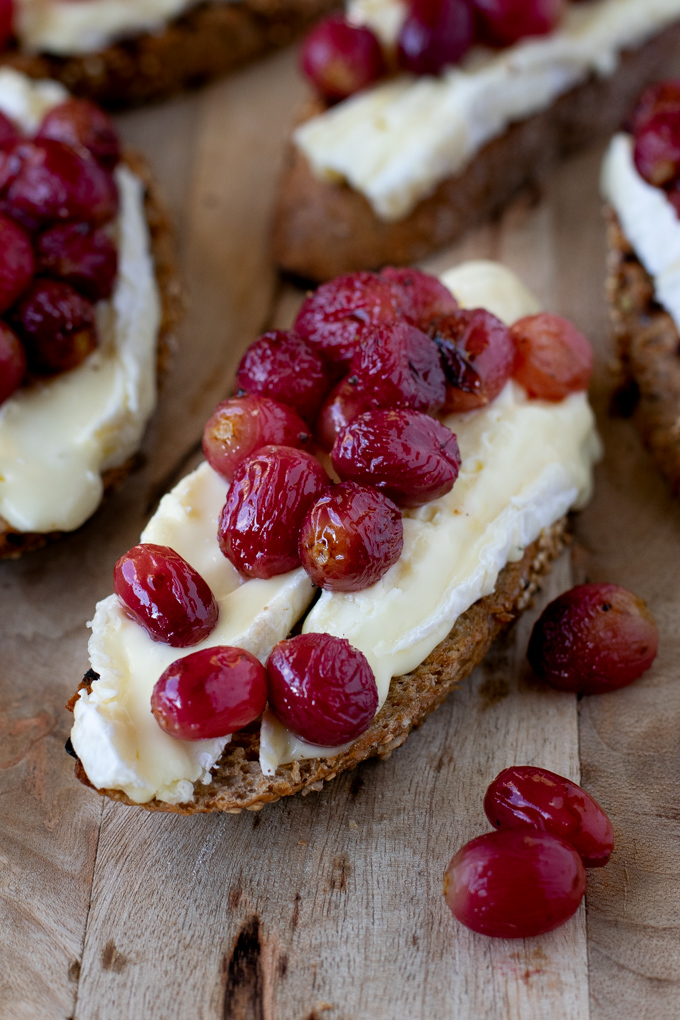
<point>593,639</point>
<point>553,359</point>
<point>477,354</point>
<point>514,884</point>
<point>350,537</point>
<point>165,595</point>
<point>340,59</point>
<point>321,688</point>
<point>17,264</point>
<point>6,21</point>
<point>435,34</point>
<point>423,298</point>
<point>282,366</point>
<point>78,122</point>
<point>57,326</point>
<point>8,130</point>
<point>334,318</point>
<point>399,366</point>
<point>406,455</point>
<point>504,22</point>
<point>657,148</point>
<point>242,425</point>
<point>342,404</point>
<point>657,98</point>
<point>270,494</point>
<point>210,693</point>
<point>12,362</point>
<point>525,797</point>
<point>79,254</point>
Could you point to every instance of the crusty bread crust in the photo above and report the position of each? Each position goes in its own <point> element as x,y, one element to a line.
<point>648,353</point>
<point>323,229</point>
<point>201,44</point>
<point>237,779</point>
<point>14,544</point>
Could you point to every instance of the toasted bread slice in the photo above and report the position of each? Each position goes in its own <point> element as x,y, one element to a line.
<point>648,353</point>
<point>15,543</point>
<point>238,781</point>
<point>323,229</point>
<point>205,42</point>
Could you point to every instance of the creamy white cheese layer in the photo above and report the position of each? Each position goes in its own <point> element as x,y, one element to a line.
<point>647,219</point>
<point>525,463</point>
<point>58,436</point>
<point>69,28</point>
<point>395,142</point>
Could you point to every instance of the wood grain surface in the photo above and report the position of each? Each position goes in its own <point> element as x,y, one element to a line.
<point>329,907</point>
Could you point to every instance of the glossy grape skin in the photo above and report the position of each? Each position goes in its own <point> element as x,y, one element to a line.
<point>340,59</point>
<point>408,456</point>
<point>350,537</point>
<point>270,494</point>
<point>342,404</point>
<point>334,319</point>
<point>657,148</point>
<point>514,883</point>
<point>165,595</point>
<point>397,365</point>
<point>78,122</point>
<point>525,797</point>
<point>504,22</point>
<point>282,366</point>
<point>210,693</point>
<point>57,326</point>
<point>242,425</point>
<point>478,357</point>
<point>434,35</point>
<point>593,639</point>
<point>17,263</point>
<point>81,255</point>
<point>423,297</point>
<point>12,362</point>
<point>322,689</point>
<point>553,358</point>
<point>657,98</point>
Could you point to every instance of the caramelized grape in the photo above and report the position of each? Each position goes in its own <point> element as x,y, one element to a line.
<point>553,359</point>
<point>79,254</point>
<point>12,362</point>
<point>8,130</point>
<point>435,33</point>
<point>57,326</point>
<point>477,353</point>
<point>524,797</point>
<point>514,884</point>
<point>406,455</point>
<point>343,404</point>
<point>398,366</point>
<point>340,59</point>
<point>78,122</point>
<point>322,689</point>
<point>210,693</point>
<point>17,264</point>
<point>242,425</point>
<point>592,639</point>
<point>423,298</point>
<point>657,98</point>
<point>165,595</point>
<point>504,22</point>
<point>282,366</point>
<point>657,148</point>
<point>334,318</point>
<point>350,537</point>
<point>270,494</point>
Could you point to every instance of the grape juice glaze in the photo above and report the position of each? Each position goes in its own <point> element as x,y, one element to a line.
<point>524,464</point>
<point>394,142</point>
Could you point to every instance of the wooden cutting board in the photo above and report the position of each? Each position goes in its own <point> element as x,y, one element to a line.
<point>329,907</point>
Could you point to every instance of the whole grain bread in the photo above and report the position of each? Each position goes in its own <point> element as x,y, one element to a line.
<point>322,229</point>
<point>15,543</point>
<point>203,43</point>
<point>238,782</point>
<point>647,351</point>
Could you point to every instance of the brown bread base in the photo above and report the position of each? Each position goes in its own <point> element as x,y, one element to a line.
<point>15,543</point>
<point>237,779</point>
<point>648,353</point>
<point>322,229</point>
<point>202,44</point>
